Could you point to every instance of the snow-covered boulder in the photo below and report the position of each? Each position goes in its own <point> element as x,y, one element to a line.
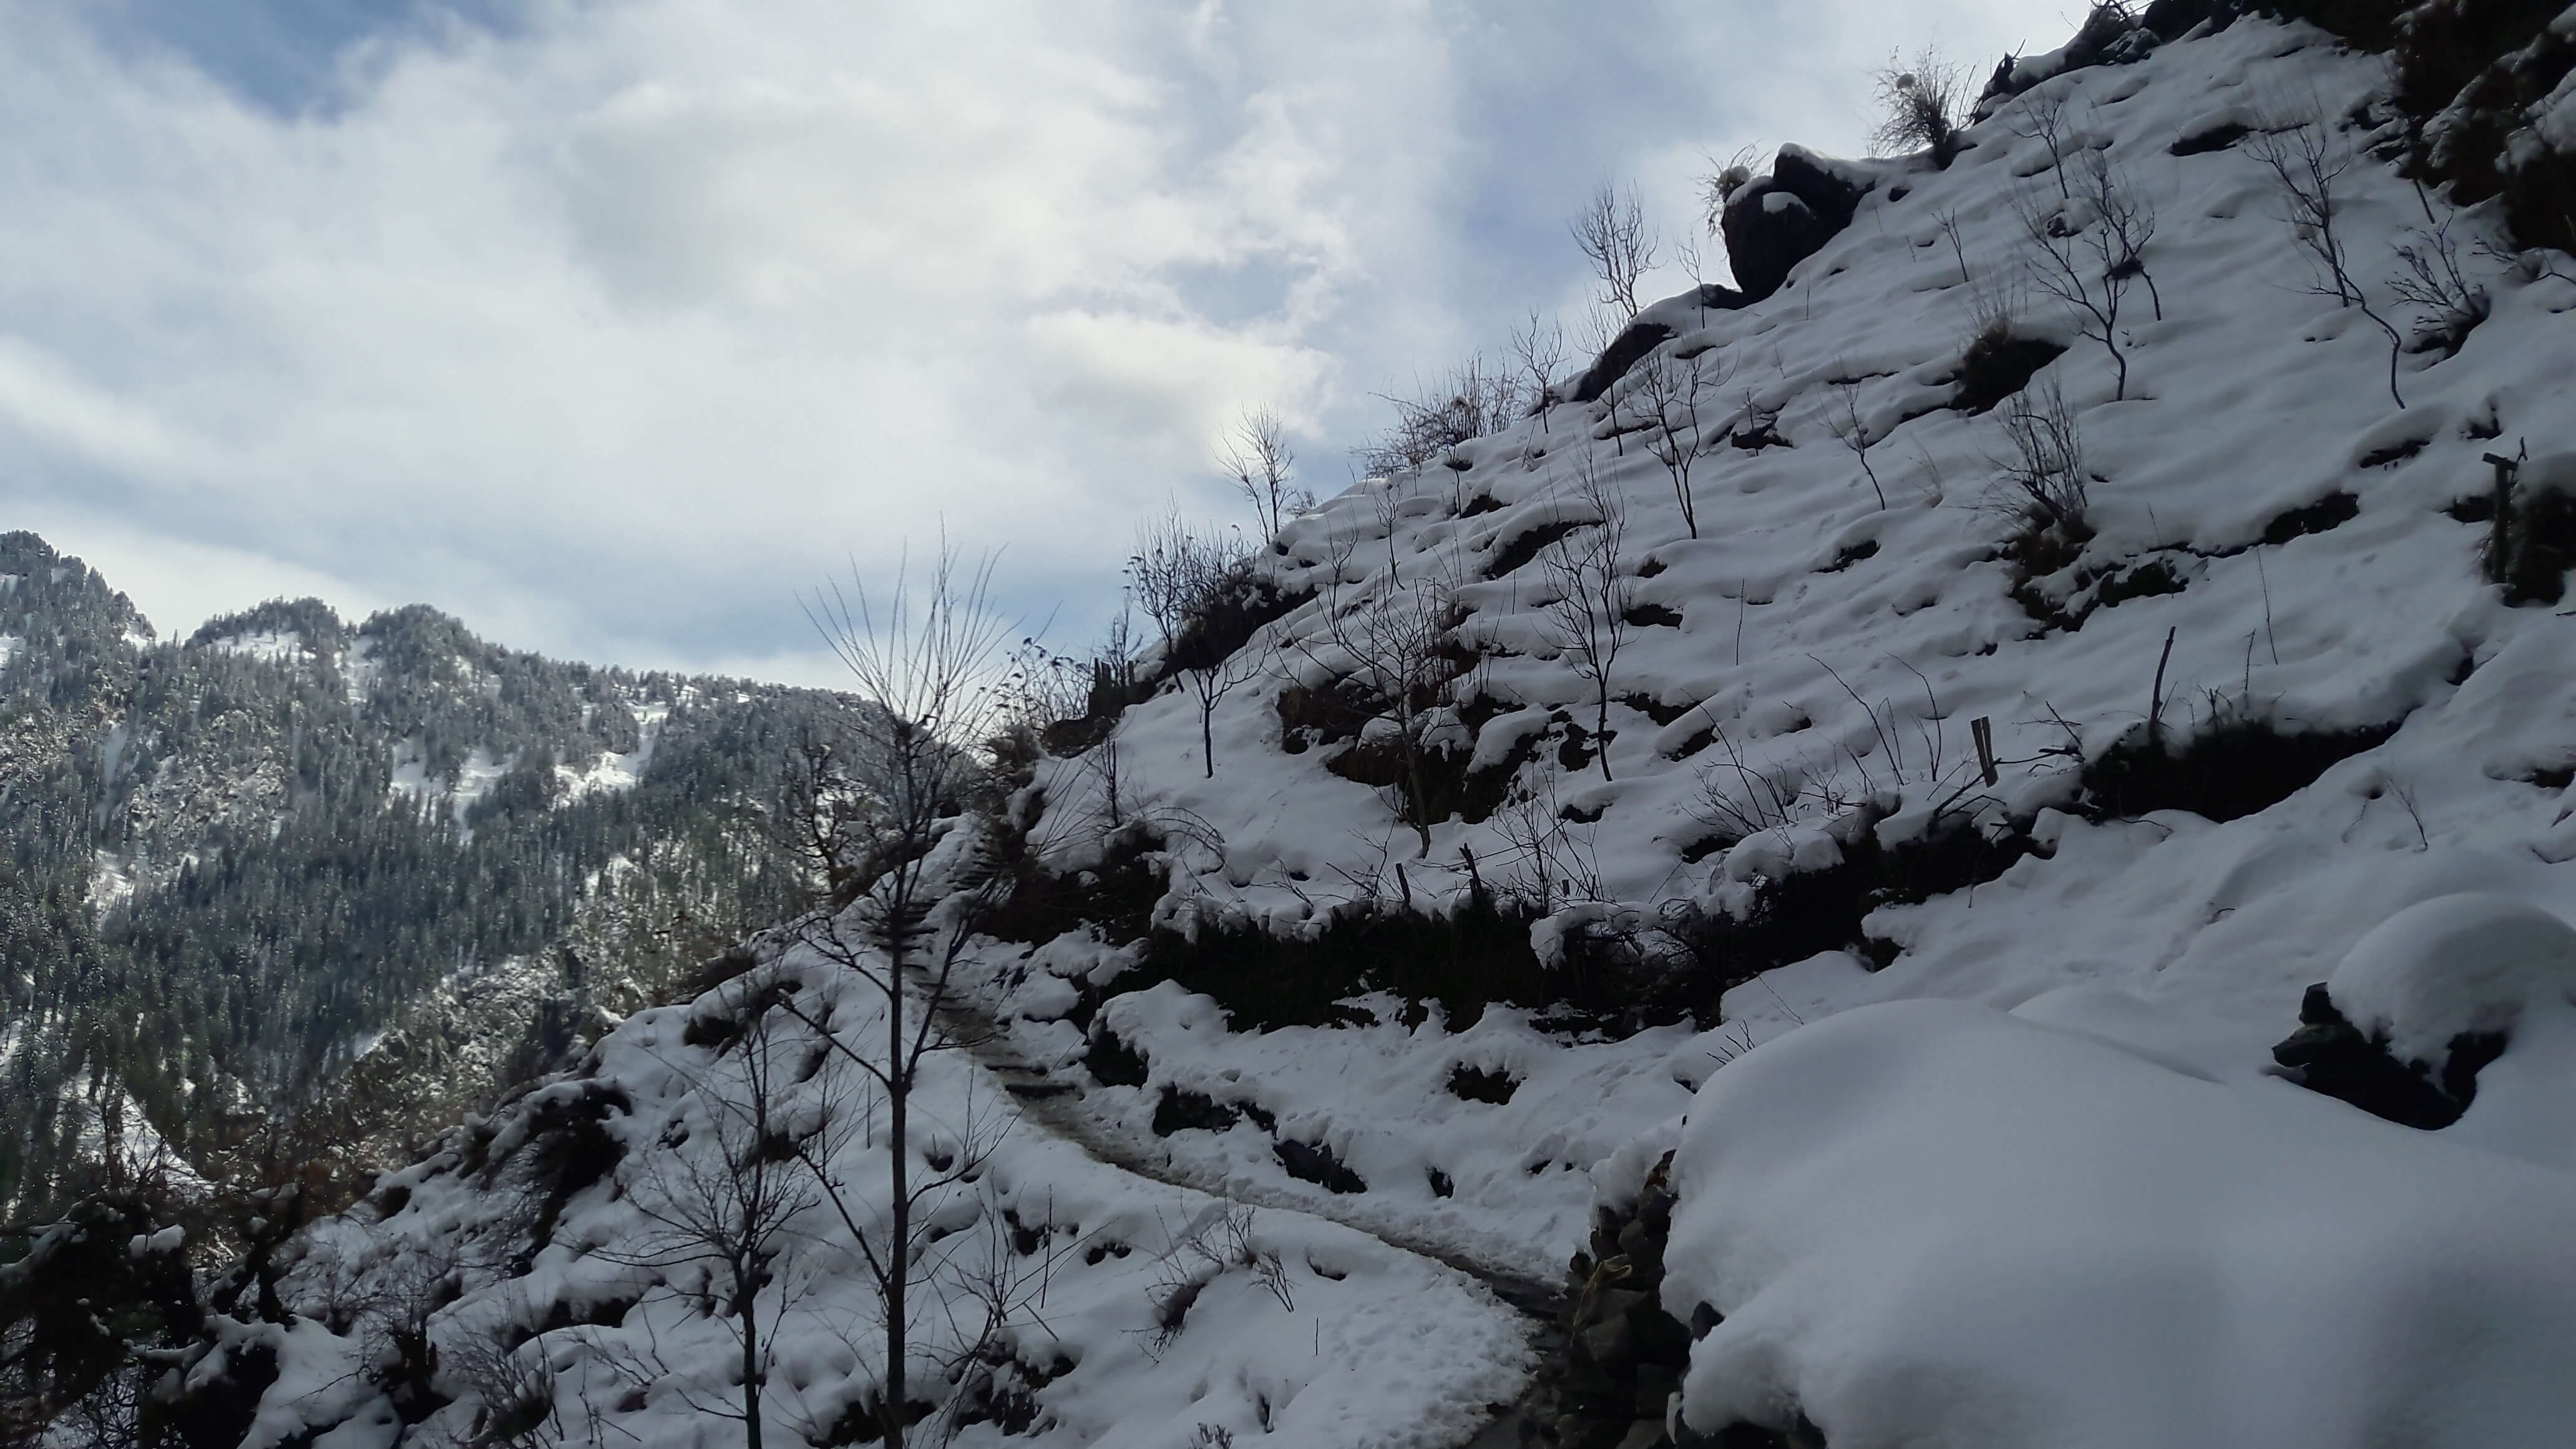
<point>1777,221</point>
<point>1932,1223</point>
<point>2451,967</point>
<point>2425,1001</point>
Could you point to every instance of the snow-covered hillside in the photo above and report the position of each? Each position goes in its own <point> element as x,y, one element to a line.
<point>2082,964</point>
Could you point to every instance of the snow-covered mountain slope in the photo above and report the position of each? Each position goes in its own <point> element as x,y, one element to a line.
<point>1883,1017</point>
<point>2264,698</point>
<point>360,829</point>
<point>1075,1303</point>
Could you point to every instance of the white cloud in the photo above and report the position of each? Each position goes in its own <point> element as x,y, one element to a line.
<point>607,333</point>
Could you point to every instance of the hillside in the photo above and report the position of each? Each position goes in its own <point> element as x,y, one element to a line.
<point>335,883</point>
<point>1966,841</point>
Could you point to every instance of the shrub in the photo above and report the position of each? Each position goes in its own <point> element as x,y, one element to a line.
<point>1920,105</point>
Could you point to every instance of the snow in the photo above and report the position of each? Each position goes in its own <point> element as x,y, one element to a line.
<point>1932,1223</point>
<point>2159,957</point>
<point>111,883</point>
<point>2456,964</point>
<point>273,646</point>
<point>2030,1182</point>
<point>1363,1345</point>
<point>619,771</point>
<point>474,779</point>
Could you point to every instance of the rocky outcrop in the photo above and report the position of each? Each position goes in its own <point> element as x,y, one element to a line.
<point>1615,1380</point>
<point>2329,1054</point>
<point>1774,222</point>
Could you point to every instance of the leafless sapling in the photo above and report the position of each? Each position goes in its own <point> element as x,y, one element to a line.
<point>1667,397</point>
<point>1594,593</point>
<point>1539,348</point>
<point>1848,425</point>
<point>1473,400</point>
<point>730,1209</point>
<point>1261,463</point>
<point>1612,233</point>
<point>922,662</point>
<point>2040,115</point>
<point>1185,579</point>
<point>2447,303</point>
<point>1948,217</point>
<point>1395,653</point>
<point>2305,166</point>
<point>2079,266</point>
<point>2127,216</point>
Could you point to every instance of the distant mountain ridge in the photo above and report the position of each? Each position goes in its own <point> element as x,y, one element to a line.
<point>241,864</point>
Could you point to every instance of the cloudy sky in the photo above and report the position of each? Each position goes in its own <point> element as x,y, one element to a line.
<point>609,324</point>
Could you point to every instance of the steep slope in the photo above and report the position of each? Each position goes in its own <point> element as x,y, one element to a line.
<point>341,880</point>
<point>1874,981</point>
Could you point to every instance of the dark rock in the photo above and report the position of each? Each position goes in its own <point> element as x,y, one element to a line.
<point>1180,1111</point>
<point>1315,1163</point>
<point>1476,1084</point>
<point>2213,138</point>
<point>1998,364</point>
<point>2335,508</point>
<point>1112,1062</point>
<point>1777,221</point>
<point>1611,1344</point>
<point>1624,352</point>
<point>2329,1055</point>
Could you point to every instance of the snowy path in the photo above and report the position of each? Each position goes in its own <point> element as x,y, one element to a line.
<point>1053,1103</point>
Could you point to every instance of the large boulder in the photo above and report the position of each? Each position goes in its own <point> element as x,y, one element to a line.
<point>1774,222</point>
<point>2426,999</point>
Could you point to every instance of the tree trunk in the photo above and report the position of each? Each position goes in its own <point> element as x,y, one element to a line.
<point>1413,791</point>
<point>746,1282</point>
<point>1601,728</point>
<point>898,1259</point>
<point>1207,738</point>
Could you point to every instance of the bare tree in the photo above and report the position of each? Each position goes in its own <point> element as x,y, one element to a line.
<point>1184,578</point>
<point>1258,458</point>
<point>1594,593</point>
<point>2305,167</point>
<point>1613,235</point>
<point>2079,266</point>
<point>1539,348</point>
<point>2040,115</point>
<point>728,1210</point>
<point>2043,474</point>
<point>1173,572</point>
<point>1667,397</point>
<point>1948,217</point>
<point>1920,103</point>
<point>1395,654</point>
<point>923,663</point>
<point>2446,302</point>
<point>1473,400</point>
<point>1210,683</point>
<point>2127,217</point>
<point>1847,425</point>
